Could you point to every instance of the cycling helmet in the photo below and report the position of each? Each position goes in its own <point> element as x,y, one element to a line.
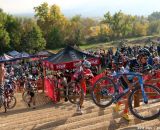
<point>144,52</point>
<point>30,77</point>
<point>156,59</point>
<point>86,64</point>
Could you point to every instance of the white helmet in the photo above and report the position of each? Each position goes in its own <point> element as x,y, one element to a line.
<point>86,64</point>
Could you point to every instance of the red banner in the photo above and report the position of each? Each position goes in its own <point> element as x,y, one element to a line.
<point>50,90</point>
<point>68,65</point>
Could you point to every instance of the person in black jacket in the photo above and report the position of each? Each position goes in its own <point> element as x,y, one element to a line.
<point>136,65</point>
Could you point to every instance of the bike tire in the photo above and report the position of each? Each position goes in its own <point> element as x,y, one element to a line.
<point>99,94</point>
<point>26,98</point>
<point>76,89</point>
<point>14,100</point>
<point>57,91</point>
<point>3,105</point>
<point>23,95</point>
<point>131,98</point>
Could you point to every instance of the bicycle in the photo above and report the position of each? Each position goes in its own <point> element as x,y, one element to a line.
<point>80,81</point>
<point>71,91</point>
<point>10,99</point>
<point>7,100</point>
<point>108,93</point>
<point>30,88</point>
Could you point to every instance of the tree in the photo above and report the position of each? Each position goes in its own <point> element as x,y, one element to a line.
<point>140,29</point>
<point>76,30</point>
<point>154,16</point>
<point>4,35</point>
<point>103,34</point>
<point>140,26</point>
<point>50,19</point>
<point>4,40</point>
<point>154,27</point>
<point>13,27</point>
<point>120,24</point>
<point>54,39</point>
<point>87,23</point>
<point>33,40</point>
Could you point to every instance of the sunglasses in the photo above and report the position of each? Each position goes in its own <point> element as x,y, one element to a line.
<point>145,58</point>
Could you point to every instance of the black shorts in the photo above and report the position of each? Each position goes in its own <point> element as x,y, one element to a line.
<point>31,94</point>
<point>123,83</point>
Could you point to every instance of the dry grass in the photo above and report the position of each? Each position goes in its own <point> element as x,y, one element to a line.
<point>107,45</point>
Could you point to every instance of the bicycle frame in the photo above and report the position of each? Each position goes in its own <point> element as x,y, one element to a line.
<point>140,81</point>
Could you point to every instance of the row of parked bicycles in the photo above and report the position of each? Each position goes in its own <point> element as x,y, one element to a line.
<point>28,84</point>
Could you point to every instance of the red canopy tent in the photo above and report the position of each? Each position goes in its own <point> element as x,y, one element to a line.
<point>64,59</point>
<point>67,59</point>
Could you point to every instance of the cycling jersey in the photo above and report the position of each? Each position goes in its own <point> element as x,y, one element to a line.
<point>156,67</point>
<point>134,66</point>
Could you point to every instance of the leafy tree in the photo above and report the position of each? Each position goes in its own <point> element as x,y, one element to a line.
<point>4,35</point>
<point>4,40</point>
<point>154,27</point>
<point>119,24</point>
<point>141,29</point>
<point>154,16</point>
<point>50,19</point>
<point>54,38</point>
<point>33,40</point>
<point>103,34</point>
<point>87,23</point>
<point>13,27</point>
<point>140,26</point>
<point>75,35</point>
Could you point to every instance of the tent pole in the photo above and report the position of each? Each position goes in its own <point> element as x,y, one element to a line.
<point>44,75</point>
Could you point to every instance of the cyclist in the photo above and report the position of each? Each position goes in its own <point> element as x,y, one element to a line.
<point>86,65</point>
<point>136,65</point>
<point>156,63</point>
<point>31,93</point>
<point>2,74</point>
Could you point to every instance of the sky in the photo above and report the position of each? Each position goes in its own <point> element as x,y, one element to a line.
<point>86,8</point>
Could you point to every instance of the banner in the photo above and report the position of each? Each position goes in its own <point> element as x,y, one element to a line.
<point>50,90</point>
<point>68,65</point>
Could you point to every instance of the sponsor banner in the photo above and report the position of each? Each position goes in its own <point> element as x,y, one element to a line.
<point>69,65</point>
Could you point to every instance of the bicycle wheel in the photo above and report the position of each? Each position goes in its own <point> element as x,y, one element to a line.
<point>75,92</point>
<point>3,104</point>
<point>11,102</point>
<point>145,111</point>
<point>27,98</point>
<point>103,90</point>
<point>24,95</point>
<point>57,91</point>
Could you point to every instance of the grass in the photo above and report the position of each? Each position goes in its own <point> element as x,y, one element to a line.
<point>96,45</point>
<point>105,45</point>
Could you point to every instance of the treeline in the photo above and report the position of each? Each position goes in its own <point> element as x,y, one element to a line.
<point>50,29</point>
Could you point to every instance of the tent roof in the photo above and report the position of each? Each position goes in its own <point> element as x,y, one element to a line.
<point>13,53</point>
<point>22,54</point>
<point>68,54</point>
<point>45,52</point>
<point>5,57</point>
